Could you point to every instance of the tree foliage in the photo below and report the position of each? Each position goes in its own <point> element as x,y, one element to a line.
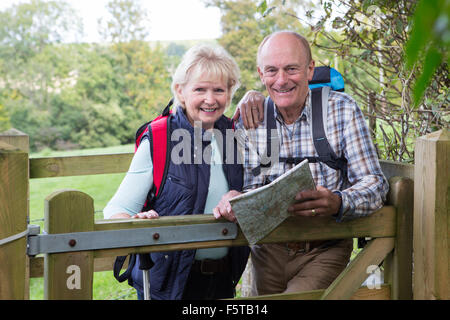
<point>368,38</point>
<point>125,22</point>
<point>426,45</point>
<point>243,29</point>
<point>69,95</point>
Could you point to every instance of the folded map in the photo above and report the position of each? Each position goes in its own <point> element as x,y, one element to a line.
<point>261,210</point>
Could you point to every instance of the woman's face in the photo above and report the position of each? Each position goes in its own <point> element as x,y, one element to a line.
<point>204,100</point>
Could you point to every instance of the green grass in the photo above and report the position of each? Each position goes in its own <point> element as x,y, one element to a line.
<point>101,188</point>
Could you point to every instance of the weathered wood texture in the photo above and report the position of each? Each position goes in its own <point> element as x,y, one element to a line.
<point>397,169</point>
<point>79,165</point>
<point>363,293</point>
<point>355,273</point>
<point>398,267</point>
<point>69,275</point>
<point>100,264</point>
<point>45,167</point>
<point>431,216</point>
<point>13,214</point>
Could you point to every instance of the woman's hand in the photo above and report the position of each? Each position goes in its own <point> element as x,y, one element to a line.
<point>120,216</point>
<point>223,208</point>
<point>151,214</point>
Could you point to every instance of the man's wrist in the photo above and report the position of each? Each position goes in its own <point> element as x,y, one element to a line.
<point>340,212</point>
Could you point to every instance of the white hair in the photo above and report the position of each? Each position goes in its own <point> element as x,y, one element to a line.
<point>209,62</point>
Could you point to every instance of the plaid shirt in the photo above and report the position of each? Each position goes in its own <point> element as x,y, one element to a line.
<point>365,188</point>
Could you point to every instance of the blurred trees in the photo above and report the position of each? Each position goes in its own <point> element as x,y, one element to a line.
<point>67,94</point>
<point>126,21</point>
<point>371,41</point>
<point>71,95</point>
<point>366,40</point>
<point>244,28</point>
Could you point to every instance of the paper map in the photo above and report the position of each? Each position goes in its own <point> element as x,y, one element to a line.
<point>260,211</point>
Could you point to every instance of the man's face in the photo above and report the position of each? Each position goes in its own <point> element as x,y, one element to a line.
<point>284,71</point>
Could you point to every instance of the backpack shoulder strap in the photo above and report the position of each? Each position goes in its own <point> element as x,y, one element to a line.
<point>270,124</point>
<point>159,132</point>
<point>319,114</point>
<point>319,123</point>
<point>118,264</point>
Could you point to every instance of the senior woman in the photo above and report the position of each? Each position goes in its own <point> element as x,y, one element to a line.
<point>203,85</point>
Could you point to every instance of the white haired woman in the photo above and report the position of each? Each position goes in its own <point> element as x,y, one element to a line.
<point>203,86</point>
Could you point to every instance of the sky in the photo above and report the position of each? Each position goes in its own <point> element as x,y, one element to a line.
<point>168,19</point>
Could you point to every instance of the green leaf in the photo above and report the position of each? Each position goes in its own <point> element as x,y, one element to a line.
<point>262,7</point>
<point>338,23</point>
<point>268,11</point>
<point>432,61</point>
<point>366,4</point>
<point>425,14</point>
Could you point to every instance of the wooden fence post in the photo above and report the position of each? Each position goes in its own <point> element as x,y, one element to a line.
<point>399,264</point>
<point>13,214</point>
<point>431,216</point>
<point>69,275</point>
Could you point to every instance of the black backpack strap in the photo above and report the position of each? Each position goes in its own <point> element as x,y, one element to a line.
<point>118,264</point>
<point>327,155</point>
<point>319,100</point>
<point>166,110</point>
<point>270,124</point>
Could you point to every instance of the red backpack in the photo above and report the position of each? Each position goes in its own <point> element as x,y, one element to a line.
<point>158,130</point>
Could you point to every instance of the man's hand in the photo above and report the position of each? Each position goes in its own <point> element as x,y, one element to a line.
<point>251,109</point>
<point>320,202</point>
<point>223,208</point>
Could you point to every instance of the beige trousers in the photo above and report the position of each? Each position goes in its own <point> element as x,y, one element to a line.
<point>277,269</point>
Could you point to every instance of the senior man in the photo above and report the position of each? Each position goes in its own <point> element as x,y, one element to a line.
<point>285,66</point>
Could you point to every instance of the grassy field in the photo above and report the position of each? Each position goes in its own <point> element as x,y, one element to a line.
<point>101,188</point>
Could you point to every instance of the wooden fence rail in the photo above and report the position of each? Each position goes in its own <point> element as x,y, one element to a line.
<point>391,227</point>
<point>70,211</point>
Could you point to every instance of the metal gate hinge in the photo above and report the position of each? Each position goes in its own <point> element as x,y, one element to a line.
<point>95,240</point>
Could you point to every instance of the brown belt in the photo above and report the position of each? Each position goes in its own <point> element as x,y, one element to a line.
<point>210,266</point>
<point>306,246</point>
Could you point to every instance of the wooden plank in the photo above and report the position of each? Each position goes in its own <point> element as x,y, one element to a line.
<point>43,167</point>
<point>363,293</point>
<point>431,216</point>
<point>397,169</point>
<point>16,138</point>
<point>100,264</point>
<point>68,275</point>
<point>13,219</point>
<point>21,141</point>
<point>346,284</point>
<point>398,267</point>
<point>79,165</point>
<point>36,267</point>
<point>115,163</point>
<point>379,224</point>
<point>381,293</point>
